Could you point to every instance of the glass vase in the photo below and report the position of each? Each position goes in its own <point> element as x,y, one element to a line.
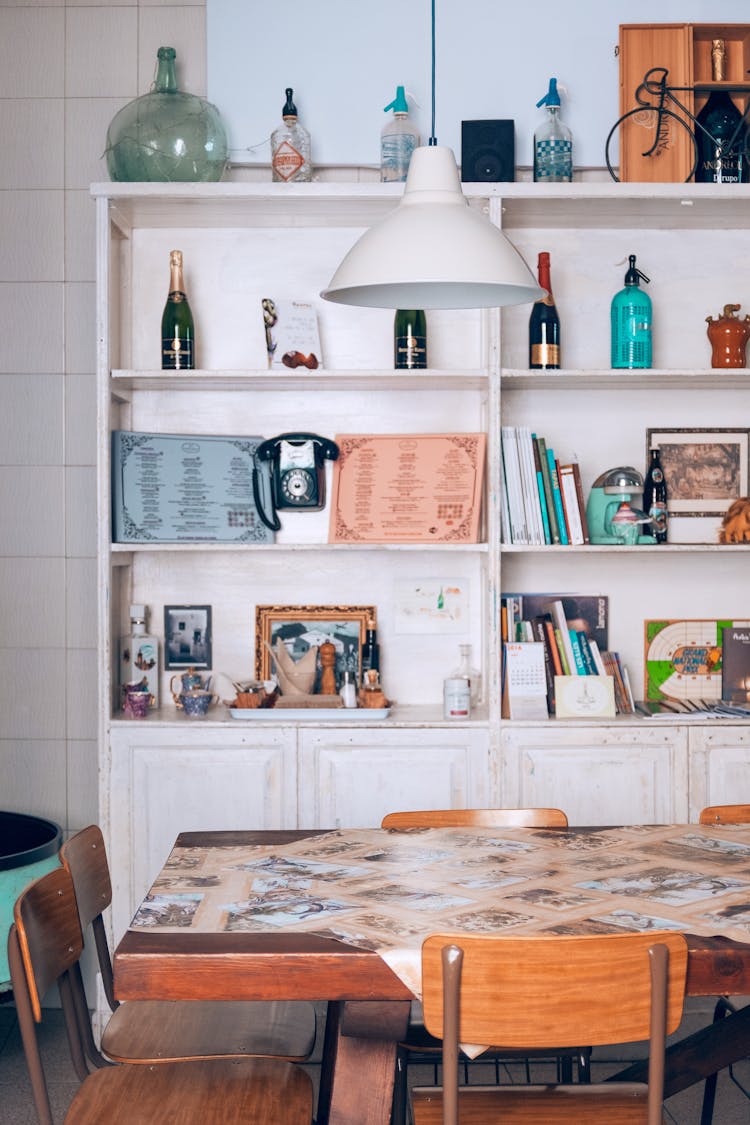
<point>167,136</point>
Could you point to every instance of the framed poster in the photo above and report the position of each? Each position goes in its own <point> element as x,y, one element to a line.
<point>705,470</point>
<point>299,628</point>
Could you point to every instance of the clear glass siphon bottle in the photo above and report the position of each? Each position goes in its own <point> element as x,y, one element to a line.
<point>655,496</point>
<point>290,147</point>
<point>631,318</point>
<point>409,339</point>
<point>177,331</point>
<point>544,324</point>
<point>139,655</point>
<point>398,139</point>
<point>553,143</point>
<point>467,672</point>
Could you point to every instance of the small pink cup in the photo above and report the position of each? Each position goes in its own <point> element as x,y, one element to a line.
<point>136,704</point>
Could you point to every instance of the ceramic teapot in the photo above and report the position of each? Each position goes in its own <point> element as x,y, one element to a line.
<point>187,681</point>
<point>728,335</point>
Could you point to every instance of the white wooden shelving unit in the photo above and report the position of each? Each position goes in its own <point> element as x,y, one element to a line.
<point>243,241</point>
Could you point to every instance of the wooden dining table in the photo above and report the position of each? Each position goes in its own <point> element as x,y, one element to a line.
<point>339,916</point>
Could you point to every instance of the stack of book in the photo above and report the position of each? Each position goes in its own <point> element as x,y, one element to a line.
<point>542,499</point>
<point>574,631</point>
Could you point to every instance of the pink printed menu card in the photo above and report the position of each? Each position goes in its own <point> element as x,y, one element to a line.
<point>407,488</point>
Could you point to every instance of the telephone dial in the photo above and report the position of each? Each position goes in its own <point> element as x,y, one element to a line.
<point>289,473</point>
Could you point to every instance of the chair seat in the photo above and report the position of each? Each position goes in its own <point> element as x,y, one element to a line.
<point>143,1031</point>
<point>251,1091</point>
<point>625,1103</point>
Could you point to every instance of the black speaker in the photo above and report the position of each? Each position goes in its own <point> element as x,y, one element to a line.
<point>488,151</point>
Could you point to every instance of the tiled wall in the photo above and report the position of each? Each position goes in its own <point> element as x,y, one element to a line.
<point>65,70</point>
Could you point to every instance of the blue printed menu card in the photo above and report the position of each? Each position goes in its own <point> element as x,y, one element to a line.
<point>183,488</point>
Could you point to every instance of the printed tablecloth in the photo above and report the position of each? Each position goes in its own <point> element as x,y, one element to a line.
<point>386,890</point>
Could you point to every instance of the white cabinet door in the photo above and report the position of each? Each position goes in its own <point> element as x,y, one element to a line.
<point>618,774</point>
<point>193,778</point>
<point>352,778</point>
<point>719,767</point>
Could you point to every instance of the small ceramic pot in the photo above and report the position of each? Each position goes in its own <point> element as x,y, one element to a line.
<point>185,682</point>
<point>136,704</point>
<point>253,696</point>
<point>195,704</point>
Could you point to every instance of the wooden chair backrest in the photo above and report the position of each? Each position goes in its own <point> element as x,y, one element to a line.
<point>85,857</point>
<point>529,991</point>
<point>49,933</point>
<point>725,814</point>
<point>476,818</point>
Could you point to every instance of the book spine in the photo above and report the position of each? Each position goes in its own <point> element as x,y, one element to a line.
<point>566,649</point>
<point>513,480</point>
<point>568,668</point>
<point>570,500</point>
<point>548,496</point>
<point>557,498</point>
<point>597,657</point>
<point>549,629</point>
<point>577,654</point>
<point>528,482</point>
<point>587,654</point>
<point>540,490</point>
<point>541,635</point>
<point>581,502</point>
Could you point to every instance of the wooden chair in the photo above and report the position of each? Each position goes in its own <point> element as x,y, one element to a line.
<point>44,945</point>
<point>419,1046</point>
<point>158,1031</point>
<point>476,818</point>
<point>721,814</point>
<point>617,988</point>
<point>725,814</point>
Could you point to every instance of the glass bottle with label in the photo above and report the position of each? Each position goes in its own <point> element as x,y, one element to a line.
<point>177,331</point>
<point>409,339</point>
<point>370,660</point>
<point>398,139</point>
<point>544,323</point>
<point>290,147</point>
<point>139,655</point>
<point>465,670</point>
<point>721,137</point>
<point>553,143</point>
<point>655,496</point>
<point>631,318</point>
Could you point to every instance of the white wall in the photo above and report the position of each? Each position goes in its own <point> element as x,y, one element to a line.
<point>344,59</point>
<point>65,69</point>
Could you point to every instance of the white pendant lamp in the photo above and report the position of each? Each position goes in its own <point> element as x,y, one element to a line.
<point>433,251</point>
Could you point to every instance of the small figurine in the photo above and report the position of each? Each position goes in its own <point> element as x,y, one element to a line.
<point>735,527</point>
<point>728,335</point>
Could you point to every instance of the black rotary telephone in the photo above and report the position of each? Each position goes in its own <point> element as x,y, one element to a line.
<point>289,472</point>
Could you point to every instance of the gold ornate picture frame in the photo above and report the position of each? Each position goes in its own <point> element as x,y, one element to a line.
<point>300,627</point>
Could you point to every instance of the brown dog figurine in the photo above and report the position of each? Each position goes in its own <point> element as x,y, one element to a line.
<point>735,527</point>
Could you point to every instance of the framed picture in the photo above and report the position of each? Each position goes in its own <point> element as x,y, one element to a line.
<point>302,627</point>
<point>187,636</point>
<point>705,470</point>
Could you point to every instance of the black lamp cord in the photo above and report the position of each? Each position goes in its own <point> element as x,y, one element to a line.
<point>433,140</point>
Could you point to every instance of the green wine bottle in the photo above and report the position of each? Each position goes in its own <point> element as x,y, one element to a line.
<point>177,333</point>
<point>409,339</point>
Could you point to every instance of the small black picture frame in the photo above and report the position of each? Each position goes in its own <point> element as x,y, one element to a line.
<point>187,636</point>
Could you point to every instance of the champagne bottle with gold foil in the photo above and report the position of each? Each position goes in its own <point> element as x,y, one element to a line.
<point>409,339</point>
<point>177,332</point>
<point>544,323</point>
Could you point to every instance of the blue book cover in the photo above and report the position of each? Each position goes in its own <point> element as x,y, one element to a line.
<point>575,644</point>
<point>557,498</point>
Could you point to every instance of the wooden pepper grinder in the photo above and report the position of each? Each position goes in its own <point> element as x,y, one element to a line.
<point>327,653</point>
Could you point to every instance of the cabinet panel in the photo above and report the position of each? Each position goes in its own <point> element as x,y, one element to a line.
<point>180,780</point>
<point>607,775</point>
<point>351,779</point>
<point>719,764</point>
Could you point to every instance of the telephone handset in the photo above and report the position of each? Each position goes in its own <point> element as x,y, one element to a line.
<point>289,472</point>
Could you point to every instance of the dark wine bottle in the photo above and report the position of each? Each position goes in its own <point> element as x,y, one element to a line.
<point>655,497</point>
<point>409,339</point>
<point>544,324</point>
<point>370,650</point>
<point>177,333</point>
<point>721,149</point>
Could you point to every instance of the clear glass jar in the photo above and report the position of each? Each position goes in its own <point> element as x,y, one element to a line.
<point>167,136</point>
<point>465,670</point>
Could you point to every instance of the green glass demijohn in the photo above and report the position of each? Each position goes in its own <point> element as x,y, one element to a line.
<point>167,136</point>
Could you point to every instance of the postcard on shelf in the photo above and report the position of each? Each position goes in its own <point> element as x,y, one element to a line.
<point>292,335</point>
<point>184,488</point>
<point>524,681</point>
<point>735,664</point>
<point>584,697</point>
<point>407,488</point>
<point>683,659</point>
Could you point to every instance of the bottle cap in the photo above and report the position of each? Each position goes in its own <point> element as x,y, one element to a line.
<point>551,97</point>
<point>138,612</point>
<point>290,109</point>
<point>634,275</point>
<point>399,104</point>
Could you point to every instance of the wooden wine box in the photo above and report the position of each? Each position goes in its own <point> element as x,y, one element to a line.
<point>684,49</point>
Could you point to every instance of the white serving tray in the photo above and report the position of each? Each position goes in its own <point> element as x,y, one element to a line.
<point>311,714</point>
